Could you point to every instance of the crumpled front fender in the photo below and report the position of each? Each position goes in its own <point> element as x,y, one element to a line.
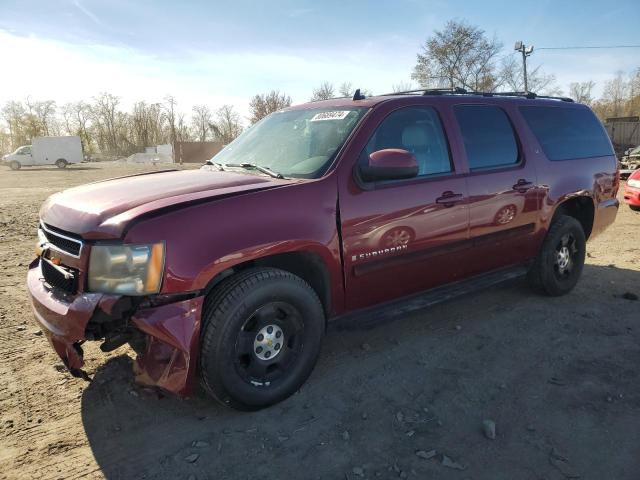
<point>171,354</point>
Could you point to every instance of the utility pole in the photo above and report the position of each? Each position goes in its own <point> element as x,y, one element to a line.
<point>526,51</point>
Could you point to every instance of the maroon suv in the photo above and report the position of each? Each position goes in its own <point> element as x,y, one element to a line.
<point>355,208</point>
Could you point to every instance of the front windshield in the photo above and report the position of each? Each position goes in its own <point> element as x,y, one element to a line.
<point>294,143</point>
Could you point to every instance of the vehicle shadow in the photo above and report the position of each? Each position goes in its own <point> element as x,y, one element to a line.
<point>425,382</point>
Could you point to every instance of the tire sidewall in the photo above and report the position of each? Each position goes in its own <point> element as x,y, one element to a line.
<point>551,282</point>
<point>220,366</point>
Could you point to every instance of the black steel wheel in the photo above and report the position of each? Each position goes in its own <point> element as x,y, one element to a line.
<point>261,335</point>
<point>559,264</point>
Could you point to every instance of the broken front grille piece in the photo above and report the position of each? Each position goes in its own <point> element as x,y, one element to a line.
<point>64,278</point>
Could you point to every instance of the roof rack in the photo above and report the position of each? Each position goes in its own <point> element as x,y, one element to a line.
<point>462,91</point>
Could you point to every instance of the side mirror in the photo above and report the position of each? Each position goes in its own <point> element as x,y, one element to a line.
<point>389,164</point>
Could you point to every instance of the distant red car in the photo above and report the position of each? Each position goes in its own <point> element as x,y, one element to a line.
<point>632,191</point>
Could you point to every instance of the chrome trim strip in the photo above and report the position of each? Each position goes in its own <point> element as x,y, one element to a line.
<point>53,247</point>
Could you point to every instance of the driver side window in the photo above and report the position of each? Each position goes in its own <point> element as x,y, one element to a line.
<point>417,130</point>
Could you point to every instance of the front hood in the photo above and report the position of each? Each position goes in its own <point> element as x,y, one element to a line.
<point>102,210</point>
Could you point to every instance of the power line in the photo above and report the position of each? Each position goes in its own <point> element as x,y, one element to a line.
<point>587,47</point>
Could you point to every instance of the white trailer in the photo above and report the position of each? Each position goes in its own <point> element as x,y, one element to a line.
<point>58,151</point>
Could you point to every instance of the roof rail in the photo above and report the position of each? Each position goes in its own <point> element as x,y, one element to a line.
<point>462,91</point>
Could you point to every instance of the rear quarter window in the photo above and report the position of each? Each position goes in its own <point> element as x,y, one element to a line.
<point>567,133</point>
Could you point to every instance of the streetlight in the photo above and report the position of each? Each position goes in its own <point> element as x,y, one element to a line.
<point>526,51</point>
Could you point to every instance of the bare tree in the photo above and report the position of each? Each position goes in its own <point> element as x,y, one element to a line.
<point>324,92</point>
<point>170,113</point>
<point>615,94</point>
<point>346,90</point>
<point>511,77</point>
<point>581,91</point>
<point>402,87</point>
<point>459,55</point>
<point>106,122</point>
<point>227,124</point>
<point>263,104</point>
<point>13,113</point>
<point>200,120</point>
<point>147,122</point>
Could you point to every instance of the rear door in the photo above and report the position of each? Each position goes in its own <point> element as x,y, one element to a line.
<point>504,197</point>
<point>401,237</point>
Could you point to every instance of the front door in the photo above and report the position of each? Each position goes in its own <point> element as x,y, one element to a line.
<point>401,237</point>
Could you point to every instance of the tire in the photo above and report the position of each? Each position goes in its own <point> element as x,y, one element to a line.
<point>61,163</point>
<point>635,208</point>
<point>559,264</point>
<point>15,165</point>
<point>238,367</point>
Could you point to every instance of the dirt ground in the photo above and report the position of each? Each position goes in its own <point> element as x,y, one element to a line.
<point>560,378</point>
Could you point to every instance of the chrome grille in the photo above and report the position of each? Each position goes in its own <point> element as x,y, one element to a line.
<point>61,241</point>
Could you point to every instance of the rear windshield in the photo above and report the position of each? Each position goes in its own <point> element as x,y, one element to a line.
<point>567,133</point>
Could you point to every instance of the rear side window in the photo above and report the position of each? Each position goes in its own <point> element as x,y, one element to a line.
<point>488,136</point>
<point>567,133</point>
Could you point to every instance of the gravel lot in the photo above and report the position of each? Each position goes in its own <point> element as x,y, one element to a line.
<point>559,377</point>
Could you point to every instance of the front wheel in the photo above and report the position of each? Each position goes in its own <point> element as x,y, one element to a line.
<point>262,331</point>
<point>15,165</point>
<point>559,264</point>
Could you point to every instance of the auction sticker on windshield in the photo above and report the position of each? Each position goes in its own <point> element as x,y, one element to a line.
<point>334,115</point>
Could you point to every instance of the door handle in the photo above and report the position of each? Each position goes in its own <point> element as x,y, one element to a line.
<point>448,199</point>
<point>522,185</point>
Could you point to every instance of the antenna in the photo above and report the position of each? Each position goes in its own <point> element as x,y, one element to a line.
<point>358,96</point>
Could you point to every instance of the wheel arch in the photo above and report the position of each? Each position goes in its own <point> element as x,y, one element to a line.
<point>310,266</point>
<point>580,207</point>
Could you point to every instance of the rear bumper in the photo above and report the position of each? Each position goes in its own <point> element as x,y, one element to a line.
<point>632,196</point>
<point>172,332</point>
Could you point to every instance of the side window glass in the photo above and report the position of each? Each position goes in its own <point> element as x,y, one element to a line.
<point>417,130</point>
<point>487,135</point>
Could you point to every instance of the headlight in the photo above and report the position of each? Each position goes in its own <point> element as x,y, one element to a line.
<point>633,183</point>
<point>126,269</point>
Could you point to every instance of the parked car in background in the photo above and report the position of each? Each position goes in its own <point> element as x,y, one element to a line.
<point>632,190</point>
<point>346,208</point>
<point>58,151</point>
<point>630,162</point>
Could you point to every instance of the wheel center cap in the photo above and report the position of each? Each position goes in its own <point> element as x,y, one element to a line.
<point>563,258</point>
<point>268,342</point>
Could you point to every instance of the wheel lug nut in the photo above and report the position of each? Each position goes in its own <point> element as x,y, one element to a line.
<point>259,349</point>
<point>277,347</point>
<point>270,329</point>
<point>278,334</point>
<point>267,355</point>
<point>260,337</point>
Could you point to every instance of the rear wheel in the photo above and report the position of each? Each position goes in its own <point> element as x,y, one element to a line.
<point>61,163</point>
<point>262,331</point>
<point>559,264</point>
<point>15,165</point>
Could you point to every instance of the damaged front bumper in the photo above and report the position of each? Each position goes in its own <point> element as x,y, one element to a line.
<point>170,330</point>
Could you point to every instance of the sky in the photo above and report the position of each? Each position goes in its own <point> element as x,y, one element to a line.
<point>217,52</point>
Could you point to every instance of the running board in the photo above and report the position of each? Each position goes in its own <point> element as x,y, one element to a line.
<point>372,316</point>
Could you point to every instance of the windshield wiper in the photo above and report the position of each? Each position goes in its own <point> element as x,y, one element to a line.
<point>260,168</point>
<point>215,164</point>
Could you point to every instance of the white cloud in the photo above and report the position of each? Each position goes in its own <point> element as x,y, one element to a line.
<point>48,69</point>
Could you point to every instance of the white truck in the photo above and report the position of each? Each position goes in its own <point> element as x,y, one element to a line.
<point>58,151</point>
